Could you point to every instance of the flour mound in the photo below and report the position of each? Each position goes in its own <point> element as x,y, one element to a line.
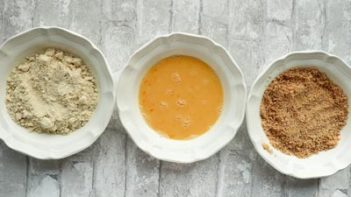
<point>51,92</point>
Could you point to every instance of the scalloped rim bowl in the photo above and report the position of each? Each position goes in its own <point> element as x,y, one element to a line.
<point>318,165</point>
<point>201,147</point>
<point>45,146</point>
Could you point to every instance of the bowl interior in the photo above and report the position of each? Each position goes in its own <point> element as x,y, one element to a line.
<point>317,165</point>
<point>44,145</point>
<point>158,145</point>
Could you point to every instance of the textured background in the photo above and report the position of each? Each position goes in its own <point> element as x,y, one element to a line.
<point>255,33</point>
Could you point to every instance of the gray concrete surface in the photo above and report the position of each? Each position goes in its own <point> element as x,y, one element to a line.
<point>254,31</point>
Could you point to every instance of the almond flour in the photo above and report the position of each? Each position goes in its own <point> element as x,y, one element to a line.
<point>51,92</point>
<point>303,111</point>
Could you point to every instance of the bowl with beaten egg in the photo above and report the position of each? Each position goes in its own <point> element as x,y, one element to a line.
<point>181,97</point>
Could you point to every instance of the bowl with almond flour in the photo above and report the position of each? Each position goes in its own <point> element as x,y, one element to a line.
<point>298,114</point>
<point>56,93</point>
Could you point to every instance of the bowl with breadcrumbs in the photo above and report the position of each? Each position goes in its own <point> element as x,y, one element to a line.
<point>298,114</point>
<point>56,92</point>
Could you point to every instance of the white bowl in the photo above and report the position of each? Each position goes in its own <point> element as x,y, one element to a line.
<point>318,165</point>
<point>182,151</point>
<point>45,146</point>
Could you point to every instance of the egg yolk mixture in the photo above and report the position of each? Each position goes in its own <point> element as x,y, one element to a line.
<point>181,97</point>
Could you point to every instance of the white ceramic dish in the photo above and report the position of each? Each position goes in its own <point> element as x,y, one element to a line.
<point>324,163</point>
<point>182,151</point>
<point>44,146</point>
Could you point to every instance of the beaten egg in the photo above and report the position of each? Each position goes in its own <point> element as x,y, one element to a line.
<point>181,97</point>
